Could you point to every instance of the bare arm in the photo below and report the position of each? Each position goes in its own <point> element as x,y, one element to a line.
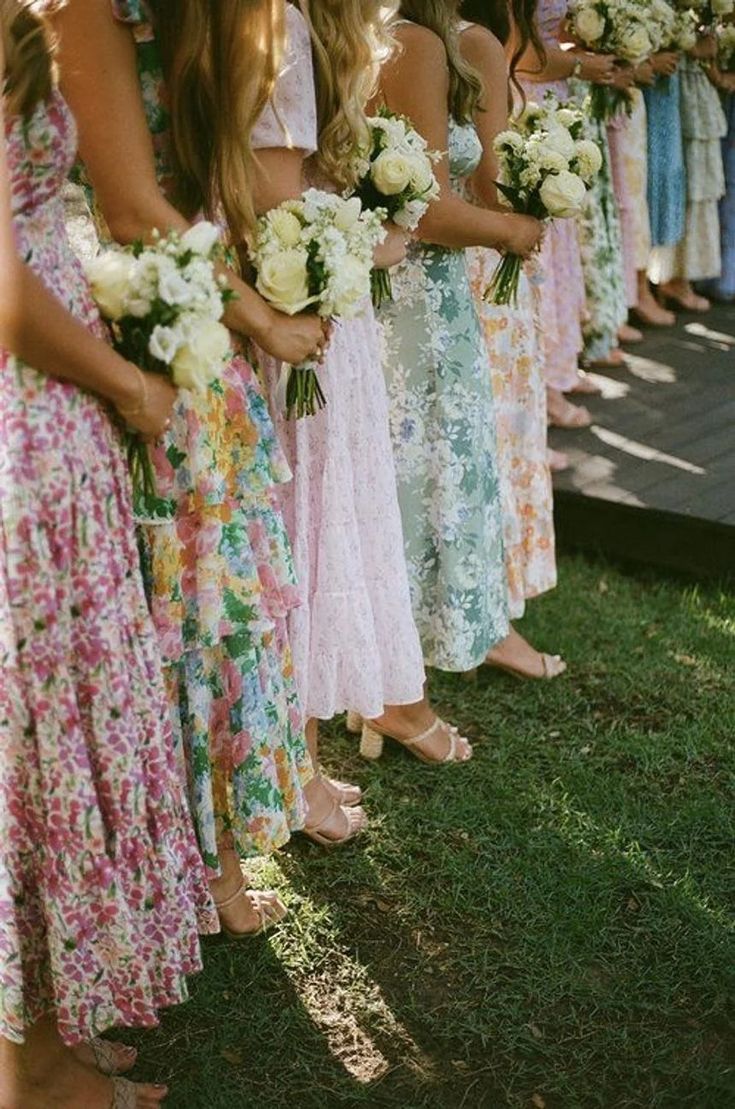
<point>415,82</point>
<point>37,328</point>
<point>483,51</point>
<point>100,80</point>
<point>560,64</point>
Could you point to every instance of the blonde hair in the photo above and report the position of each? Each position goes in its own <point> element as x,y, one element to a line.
<point>349,38</point>
<point>220,64</point>
<point>465,84</point>
<point>28,50</point>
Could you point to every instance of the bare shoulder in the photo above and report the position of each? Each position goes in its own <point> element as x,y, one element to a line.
<point>420,44</point>
<point>481,48</point>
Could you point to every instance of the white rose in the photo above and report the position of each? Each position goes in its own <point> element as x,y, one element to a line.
<point>109,276</point>
<point>138,305</point>
<point>349,286</point>
<point>348,214</point>
<point>590,25</point>
<point>284,281</point>
<point>391,173</point>
<point>562,194</point>
<point>558,138</point>
<point>198,362</point>
<point>422,174</point>
<point>174,290</point>
<point>566,117</point>
<point>551,159</point>
<point>589,159</point>
<point>201,238</point>
<point>635,43</point>
<point>286,227</point>
<point>163,343</point>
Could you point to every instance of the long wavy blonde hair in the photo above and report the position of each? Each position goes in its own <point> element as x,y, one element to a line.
<point>220,62</point>
<point>28,50</point>
<point>442,17</point>
<point>349,38</point>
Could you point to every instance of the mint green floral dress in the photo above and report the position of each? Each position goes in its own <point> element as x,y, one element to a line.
<point>220,579</point>
<point>443,431</point>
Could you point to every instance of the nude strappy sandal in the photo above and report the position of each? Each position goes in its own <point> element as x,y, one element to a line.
<point>553,667</point>
<point>267,905</point>
<point>372,740</point>
<point>124,1094</point>
<point>356,823</point>
<point>347,795</point>
<point>106,1060</point>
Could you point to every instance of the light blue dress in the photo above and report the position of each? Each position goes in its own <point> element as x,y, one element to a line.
<point>443,431</point>
<point>666,173</point>
<point>723,287</point>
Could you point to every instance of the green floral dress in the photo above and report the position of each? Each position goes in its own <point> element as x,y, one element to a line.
<point>443,430</point>
<point>220,579</point>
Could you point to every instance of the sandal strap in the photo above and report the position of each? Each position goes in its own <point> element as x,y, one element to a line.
<point>333,806</point>
<point>241,892</point>
<point>415,740</point>
<point>124,1094</point>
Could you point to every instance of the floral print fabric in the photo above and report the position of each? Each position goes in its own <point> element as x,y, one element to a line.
<point>629,164</point>
<point>220,577</point>
<point>342,508</point>
<point>516,375</point>
<point>99,869</point>
<point>443,430</point>
<point>724,286</point>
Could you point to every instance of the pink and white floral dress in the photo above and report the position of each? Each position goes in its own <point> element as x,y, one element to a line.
<point>100,875</point>
<point>354,640</point>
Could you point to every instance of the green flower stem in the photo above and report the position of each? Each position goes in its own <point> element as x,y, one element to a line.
<point>503,288</point>
<point>304,394</point>
<point>380,287</point>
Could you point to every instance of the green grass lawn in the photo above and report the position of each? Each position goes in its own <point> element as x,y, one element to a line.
<point>550,926</point>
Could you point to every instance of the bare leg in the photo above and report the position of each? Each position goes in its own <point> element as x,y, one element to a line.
<point>335,821</point>
<point>405,722</point>
<point>249,913</point>
<point>43,1074</point>
<point>682,293</point>
<point>648,310</point>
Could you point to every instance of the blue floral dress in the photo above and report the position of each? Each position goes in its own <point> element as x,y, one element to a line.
<point>666,174</point>
<point>443,431</point>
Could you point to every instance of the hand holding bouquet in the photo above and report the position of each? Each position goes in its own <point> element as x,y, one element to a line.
<point>316,253</point>
<point>618,27</point>
<point>546,168</point>
<point>164,304</point>
<point>395,174</point>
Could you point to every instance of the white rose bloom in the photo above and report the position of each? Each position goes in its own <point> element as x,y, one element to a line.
<point>391,173</point>
<point>285,226</point>
<point>566,117</point>
<point>284,281</point>
<point>201,238</point>
<point>551,159</point>
<point>562,194</point>
<point>175,290</point>
<point>348,214</point>
<point>349,286</point>
<point>110,276</point>
<point>163,344</point>
<point>199,361</point>
<point>635,43</point>
<point>558,138</point>
<point>138,305</point>
<point>589,24</point>
<point>589,159</point>
<point>422,173</point>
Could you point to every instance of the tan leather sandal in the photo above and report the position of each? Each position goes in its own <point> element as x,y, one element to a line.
<point>372,741</point>
<point>266,903</point>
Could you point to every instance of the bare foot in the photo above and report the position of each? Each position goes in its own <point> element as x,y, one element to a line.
<point>648,311</point>
<point>682,293</point>
<point>560,413</point>
<point>628,334</point>
<point>585,384</point>
<point>68,1084</point>
<point>557,460</point>
<point>106,1056</point>
<point>610,361</point>
<point>330,822</point>
<point>516,656</point>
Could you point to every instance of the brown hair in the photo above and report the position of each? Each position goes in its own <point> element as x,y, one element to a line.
<point>28,50</point>
<point>465,84</point>
<point>220,63</point>
<point>348,37</point>
<point>512,21</point>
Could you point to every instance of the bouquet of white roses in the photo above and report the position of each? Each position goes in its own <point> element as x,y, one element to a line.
<point>395,173</point>
<point>546,168</point>
<point>673,28</point>
<point>708,12</point>
<point>164,304</point>
<point>726,48</point>
<point>619,27</point>
<point>316,252</point>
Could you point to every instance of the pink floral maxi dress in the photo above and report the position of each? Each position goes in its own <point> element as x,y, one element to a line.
<point>562,308</point>
<point>99,869</point>
<point>354,639</point>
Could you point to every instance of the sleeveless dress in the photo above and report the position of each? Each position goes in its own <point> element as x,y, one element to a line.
<point>666,173</point>
<point>443,429</point>
<point>723,287</point>
<point>220,576</point>
<point>99,869</point>
<point>562,307</point>
<point>354,639</point>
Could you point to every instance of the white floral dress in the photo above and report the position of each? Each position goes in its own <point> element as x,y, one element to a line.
<point>443,430</point>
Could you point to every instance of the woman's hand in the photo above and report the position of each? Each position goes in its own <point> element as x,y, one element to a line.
<point>624,78</point>
<point>598,69</point>
<point>393,250</point>
<point>522,234</point>
<point>148,403</point>
<point>705,49</point>
<point>665,63</point>
<point>293,339</point>
<point>643,73</point>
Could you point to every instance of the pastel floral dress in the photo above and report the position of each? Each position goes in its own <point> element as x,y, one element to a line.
<point>629,164</point>
<point>100,876</point>
<point>354,638</point>
<point>723,287</point>
<point>443,429</point>
<point>562,308</point>
<point>220,576</point>
<point>666,173</point>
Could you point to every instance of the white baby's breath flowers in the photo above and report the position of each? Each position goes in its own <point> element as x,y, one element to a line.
<point>201,238</point>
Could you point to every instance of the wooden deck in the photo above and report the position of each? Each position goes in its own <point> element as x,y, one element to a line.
<point>653,479</point>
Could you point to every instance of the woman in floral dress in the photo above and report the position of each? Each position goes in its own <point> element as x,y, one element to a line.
<point>100,878</point>
<point>216,551</point>
<point>723,287</point>
<point>342,507</point>
<point>666,173</point>
<point>441,409</point>
<point>516,373</point>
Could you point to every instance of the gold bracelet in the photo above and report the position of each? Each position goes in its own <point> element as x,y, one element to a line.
<point>132,412</point>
